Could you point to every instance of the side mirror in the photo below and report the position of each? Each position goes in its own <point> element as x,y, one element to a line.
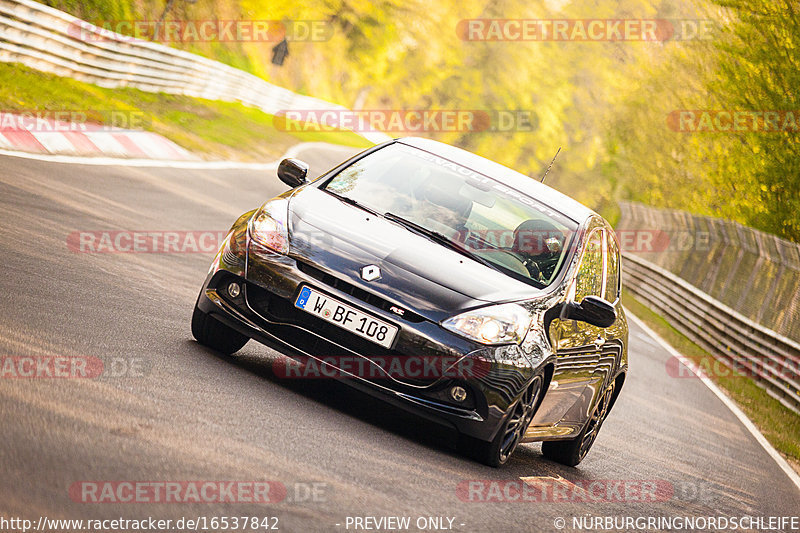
<point>292,172</point>
<point>592,310</point>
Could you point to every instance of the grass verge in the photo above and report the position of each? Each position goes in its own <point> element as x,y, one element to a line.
<point>210,128</point>
<point>779,425</point>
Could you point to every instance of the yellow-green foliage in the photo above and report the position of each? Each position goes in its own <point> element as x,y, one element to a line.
<point>606,103</point>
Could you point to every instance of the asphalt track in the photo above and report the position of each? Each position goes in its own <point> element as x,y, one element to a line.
<point>187,413</point>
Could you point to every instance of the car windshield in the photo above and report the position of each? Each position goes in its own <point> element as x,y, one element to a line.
<point>476,214</point>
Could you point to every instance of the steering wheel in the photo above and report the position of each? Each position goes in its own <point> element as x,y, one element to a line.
<point>533,268</point>
<point>531,265</point>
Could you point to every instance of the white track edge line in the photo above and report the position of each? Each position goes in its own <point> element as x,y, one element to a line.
<point>738,413</point>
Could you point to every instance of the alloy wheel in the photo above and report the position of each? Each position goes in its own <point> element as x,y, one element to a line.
<point>596,421</point>
<point>520,419</point>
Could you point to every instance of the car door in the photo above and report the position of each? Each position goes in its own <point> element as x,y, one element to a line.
<point>613,352</point>
<point>580,366</point>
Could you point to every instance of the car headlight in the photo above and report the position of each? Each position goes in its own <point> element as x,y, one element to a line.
<point>268,226</point>
<point>497,324</point>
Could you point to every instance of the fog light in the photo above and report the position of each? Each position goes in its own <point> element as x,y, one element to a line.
<point>459,394</point>
<point>234,290</point>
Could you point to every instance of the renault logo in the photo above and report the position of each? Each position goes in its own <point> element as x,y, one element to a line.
<point>370,273</point>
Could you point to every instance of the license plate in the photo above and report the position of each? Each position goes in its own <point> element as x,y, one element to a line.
<point>346,317</point>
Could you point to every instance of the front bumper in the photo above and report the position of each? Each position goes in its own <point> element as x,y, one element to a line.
<point>264,311</point>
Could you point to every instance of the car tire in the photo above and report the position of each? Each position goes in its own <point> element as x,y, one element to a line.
<point>572,452</point>
<point>212,333</point>
<point>497,452</point>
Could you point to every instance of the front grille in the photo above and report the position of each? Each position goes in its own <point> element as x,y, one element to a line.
<point>357,292</point>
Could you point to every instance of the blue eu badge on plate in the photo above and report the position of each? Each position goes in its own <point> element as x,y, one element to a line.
<point>302,299</point>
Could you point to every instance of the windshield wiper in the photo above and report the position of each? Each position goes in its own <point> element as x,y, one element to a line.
<point>352,202</point>
<point>439,238</point>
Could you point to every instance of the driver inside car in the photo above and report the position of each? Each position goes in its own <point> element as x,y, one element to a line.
<point>538,244</point>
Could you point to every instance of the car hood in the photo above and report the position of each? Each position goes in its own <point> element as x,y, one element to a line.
<point>416,273</point>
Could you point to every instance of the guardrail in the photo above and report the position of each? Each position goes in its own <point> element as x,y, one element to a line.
<point>52,41</point>
<point>772,360</point>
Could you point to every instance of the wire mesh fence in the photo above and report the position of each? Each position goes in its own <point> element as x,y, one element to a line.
<point>752,272</point>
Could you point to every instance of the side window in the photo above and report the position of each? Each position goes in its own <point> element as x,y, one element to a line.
<point>589,281</point>
<point>612,256</point>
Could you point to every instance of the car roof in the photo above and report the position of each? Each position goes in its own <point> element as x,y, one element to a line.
<point>524,184</point>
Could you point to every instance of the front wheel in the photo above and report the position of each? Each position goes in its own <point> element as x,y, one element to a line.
<point>497,452</point>
<point>212,333</point>
<point>571,452</point>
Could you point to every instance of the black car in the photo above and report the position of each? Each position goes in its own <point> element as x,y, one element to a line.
<point>439,281</point>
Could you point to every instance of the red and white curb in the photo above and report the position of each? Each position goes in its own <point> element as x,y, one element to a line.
<point>48,136</point>
<point>294,151</point>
